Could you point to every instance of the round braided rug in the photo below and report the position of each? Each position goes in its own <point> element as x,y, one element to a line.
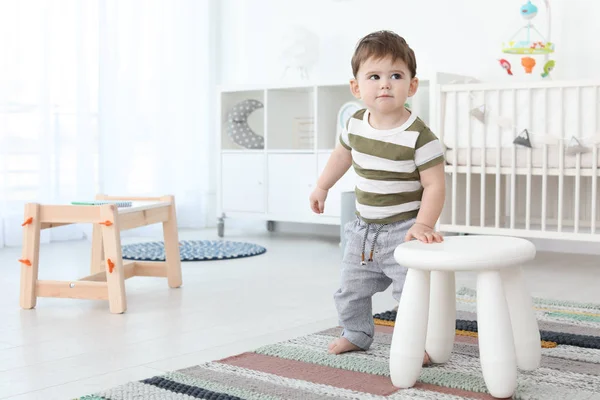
<point>193,250</point>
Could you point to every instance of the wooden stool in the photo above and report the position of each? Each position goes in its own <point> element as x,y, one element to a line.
<point>508,333</point>
<point>108,270</point>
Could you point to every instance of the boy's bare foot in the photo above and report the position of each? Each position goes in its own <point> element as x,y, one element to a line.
<point>426,360</point>
<point>342,345</point>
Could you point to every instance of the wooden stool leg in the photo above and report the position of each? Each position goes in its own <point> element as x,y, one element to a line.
<point>172,256</point>
<point>30,256</point>
<point>97,264</point>
<point>115,274</point>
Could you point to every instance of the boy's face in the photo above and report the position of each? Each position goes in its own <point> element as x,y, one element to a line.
<point>384,85</point>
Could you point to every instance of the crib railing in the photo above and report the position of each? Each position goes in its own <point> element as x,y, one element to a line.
<point>518,197</point>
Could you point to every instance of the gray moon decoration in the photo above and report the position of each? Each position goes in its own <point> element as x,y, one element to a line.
<point>237,125</point>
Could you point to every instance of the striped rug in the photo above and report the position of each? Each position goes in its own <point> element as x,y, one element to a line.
<point>301,369</point>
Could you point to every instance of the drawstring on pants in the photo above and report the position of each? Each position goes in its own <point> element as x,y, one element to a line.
<point>362,258</point>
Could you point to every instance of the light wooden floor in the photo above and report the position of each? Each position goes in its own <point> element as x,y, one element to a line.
<point>68,348</point>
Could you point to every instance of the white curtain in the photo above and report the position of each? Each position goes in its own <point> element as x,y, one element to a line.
<point>104,96</point>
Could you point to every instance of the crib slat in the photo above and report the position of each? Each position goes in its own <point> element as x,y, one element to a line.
<point>498,170</point>
<point>529,166</point>
<point>440,114</point>
<point>469,151</point>
<point>578,163</point>
<point>513,176</point>
<point>482,175</point>
<point>455,161</point>
<point>594,189</point>
<point>545,164</point>
<point>561,162</point>
<point>594,164</point>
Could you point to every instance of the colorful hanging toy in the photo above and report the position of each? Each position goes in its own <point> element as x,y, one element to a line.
<point>549,66</point>
<point>506,65</point>
<point>529,42</point>
<point>528,63</point>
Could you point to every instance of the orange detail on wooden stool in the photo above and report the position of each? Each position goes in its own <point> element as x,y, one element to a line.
<point>107,223</point>
<point>25,261</point>
<point>27,221</point>
<point>111,266</point>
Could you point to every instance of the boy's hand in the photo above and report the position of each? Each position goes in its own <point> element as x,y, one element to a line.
<point>317,200</point>
<point>423,233</point>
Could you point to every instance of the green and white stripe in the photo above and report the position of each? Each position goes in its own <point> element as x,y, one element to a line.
<point>388,164</point>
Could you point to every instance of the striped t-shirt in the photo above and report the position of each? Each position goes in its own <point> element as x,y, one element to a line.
<point>387,164</point>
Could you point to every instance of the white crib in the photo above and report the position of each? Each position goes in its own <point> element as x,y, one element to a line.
<point>497,187</point>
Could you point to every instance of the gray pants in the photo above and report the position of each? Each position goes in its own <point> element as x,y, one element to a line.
<point>362,279</point>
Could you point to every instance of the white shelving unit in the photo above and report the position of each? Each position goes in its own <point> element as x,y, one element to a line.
<point>299,127</point>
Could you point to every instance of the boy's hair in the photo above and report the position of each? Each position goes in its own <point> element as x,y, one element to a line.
<point>382,44</point>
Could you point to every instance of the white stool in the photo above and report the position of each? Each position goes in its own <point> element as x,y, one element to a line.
<point>426,319</point>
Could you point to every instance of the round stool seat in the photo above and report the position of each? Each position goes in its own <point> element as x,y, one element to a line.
<point>465,253</point>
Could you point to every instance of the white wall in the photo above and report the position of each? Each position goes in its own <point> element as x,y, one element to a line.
<point>459,36</point>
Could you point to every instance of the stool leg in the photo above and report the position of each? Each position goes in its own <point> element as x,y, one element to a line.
<point>30,252</point>
<point>97,250</point>
<point>525,329</point>
<point>172,256</point>
<point>441,328</point>
<point>97,264</point>
<point>496,344</point>
<point>115,275</point>
<point>410,330</point>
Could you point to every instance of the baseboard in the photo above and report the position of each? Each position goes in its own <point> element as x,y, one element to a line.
<point>316,229</point>
<point>259,226</point>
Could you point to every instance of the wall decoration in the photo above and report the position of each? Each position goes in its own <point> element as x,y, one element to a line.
<point>300,51</point>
